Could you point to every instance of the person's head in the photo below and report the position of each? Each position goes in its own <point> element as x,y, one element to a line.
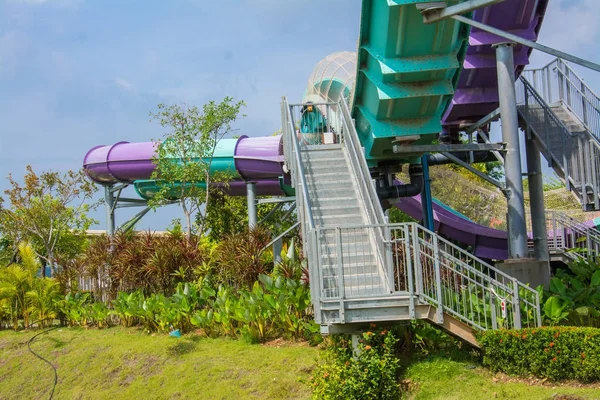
<point>308,107</point>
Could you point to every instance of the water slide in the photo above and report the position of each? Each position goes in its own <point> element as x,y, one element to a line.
<point>412,80</point>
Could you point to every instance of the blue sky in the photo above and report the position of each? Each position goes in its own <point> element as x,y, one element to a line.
<point>78,73</point>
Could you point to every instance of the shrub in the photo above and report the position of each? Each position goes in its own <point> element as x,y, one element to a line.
<point>241,258</point>
<point>369,375</point>
<point>554,353</point>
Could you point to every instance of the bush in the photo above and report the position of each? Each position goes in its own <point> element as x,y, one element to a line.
<point>554,353</point>
<point>369,375</point>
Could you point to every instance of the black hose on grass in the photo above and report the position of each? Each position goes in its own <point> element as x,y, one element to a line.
<point>43,359</point>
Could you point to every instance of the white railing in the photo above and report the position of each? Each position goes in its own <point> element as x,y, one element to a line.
<point>432,270</point>
<point>566,234</point>
<point>572,154</point>
<point>558,83</point>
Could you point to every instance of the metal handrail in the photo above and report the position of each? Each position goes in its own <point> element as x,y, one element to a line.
<point>571,90</point>
<point>299,172</point>
<point>361,163</point>
<point>370,198</point>
<point>432,270</point>
<point>570,173</point>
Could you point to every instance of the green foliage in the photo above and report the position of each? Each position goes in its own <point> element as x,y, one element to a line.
<point>370,374</point>
<point>148,262</point>
<point>49,211</point>
<point>554,353</point>
<point>574,295</point>
<point>185,155</point>
<point>227,215</point>
<point>25,297</point>
<point>241,258</point>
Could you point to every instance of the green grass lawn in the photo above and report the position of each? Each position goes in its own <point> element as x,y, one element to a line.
<point>121,363</point>
<point>442,378</point>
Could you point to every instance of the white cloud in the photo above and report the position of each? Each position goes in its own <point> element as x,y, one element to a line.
<point>125,84</point>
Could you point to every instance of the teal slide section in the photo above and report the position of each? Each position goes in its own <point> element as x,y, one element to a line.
<point>406,75</point>
<point>223,163</point>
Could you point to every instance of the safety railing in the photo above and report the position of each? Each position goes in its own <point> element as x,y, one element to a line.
<point>571,153</point>
<point>358,164</point>
<point>568,235</point>
<point>557,82</point>
<point>295,166</point>
<point>431,270</point>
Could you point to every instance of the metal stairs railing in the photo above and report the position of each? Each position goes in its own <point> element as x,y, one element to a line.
<point>570,238</point>
<point>563,115</point>
<point>419,274</point>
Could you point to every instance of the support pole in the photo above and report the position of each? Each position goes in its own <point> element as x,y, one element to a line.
<point>536,200</point>
<point>251,194</point>
<point>277,247</point>
<point>426,200</point>
<point>517,233</point>
<point>109,199</point>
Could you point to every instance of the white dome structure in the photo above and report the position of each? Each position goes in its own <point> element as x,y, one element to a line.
<point>331,78</point>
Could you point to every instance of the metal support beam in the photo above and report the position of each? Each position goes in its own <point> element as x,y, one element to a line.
<point>109,200</point>
<point>127,226</point>
<point>495,153</point>
<point>517,233</point>
<point>528,43</point>
<point>435,12</point>
<point>276,200</point>
<point>491,117</point>
<point>119,187</point>
<point>477,172</point>
<point>434,148</point>
<point>426,199</point>
<point>536,200</point>
<point>251,194</point>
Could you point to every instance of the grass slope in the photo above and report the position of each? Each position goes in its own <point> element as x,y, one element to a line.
<point>442,378</point>
<point>119,363</point>
<point>126,363</point>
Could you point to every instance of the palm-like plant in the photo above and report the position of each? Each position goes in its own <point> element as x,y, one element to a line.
<point>15,281</point>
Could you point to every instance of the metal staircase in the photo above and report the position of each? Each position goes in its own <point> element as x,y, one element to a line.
<point>569,239</point>
<point>563,115</point>
<point>364,270</point>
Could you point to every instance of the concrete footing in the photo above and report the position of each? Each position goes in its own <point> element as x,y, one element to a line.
<point>528,270</point>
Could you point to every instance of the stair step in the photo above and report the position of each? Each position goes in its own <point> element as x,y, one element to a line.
<point>353,281</point>
<point>336,210</point>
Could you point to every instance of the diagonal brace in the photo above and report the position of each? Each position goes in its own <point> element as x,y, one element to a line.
<point>435,12</point>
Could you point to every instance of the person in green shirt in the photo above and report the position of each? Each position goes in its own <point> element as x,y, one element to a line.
<point>312,124</point>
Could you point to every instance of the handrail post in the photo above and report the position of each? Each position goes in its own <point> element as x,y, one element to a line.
<point>408,269</point>
<point>438,280</point>
<point>516,305</point>
<point>340,265</point>
<point>389,262</point>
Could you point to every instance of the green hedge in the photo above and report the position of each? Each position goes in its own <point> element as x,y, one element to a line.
<point>555,353</point>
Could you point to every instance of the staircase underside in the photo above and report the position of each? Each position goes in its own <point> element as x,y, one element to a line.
<point>358,314</point>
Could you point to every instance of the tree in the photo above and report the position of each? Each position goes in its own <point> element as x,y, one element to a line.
<point>229,214</point>
<point>185,155</point>
<point>49,210</point>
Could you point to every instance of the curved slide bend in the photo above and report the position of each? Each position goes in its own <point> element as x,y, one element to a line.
<point>485,242</point>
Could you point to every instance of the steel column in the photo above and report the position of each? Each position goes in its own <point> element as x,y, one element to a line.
<point>517,233</point>
<point>536,200</point>
<point>251,194</point>
<point>426,200</point>
<point>109,199</point>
